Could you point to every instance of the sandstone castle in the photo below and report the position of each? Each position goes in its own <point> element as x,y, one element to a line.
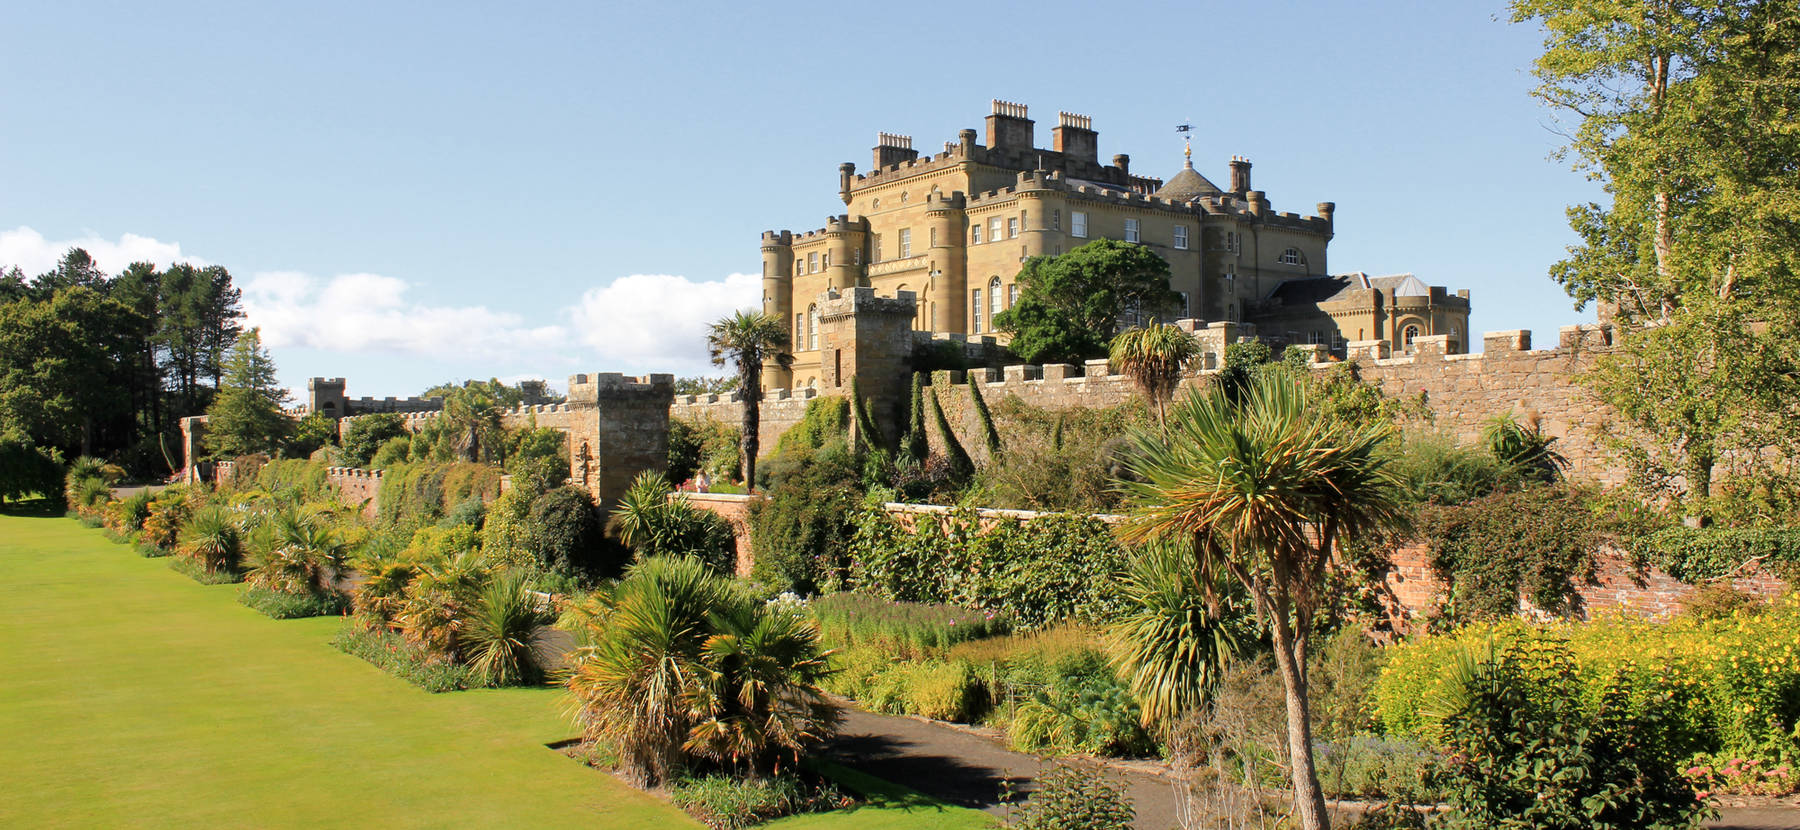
<point>951,230</point>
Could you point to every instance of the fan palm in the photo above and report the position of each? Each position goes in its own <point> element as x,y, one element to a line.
<point>1263,490</point>
<point>1154,357</point>
<point>759,699</point>
<point>300,553</point>
<point>211,537</point>
<point>748,340</point>
<point>474,417</point>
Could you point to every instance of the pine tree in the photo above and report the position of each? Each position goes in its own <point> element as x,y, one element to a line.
<point>247,417</point>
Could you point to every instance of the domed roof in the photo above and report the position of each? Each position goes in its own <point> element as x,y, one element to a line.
<point>1187,186</point>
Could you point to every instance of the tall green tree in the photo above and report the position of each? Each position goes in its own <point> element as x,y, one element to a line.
<point>473,418</point>
<point>1070,306</point>
<point>63,364</point>
<point>1263,489</point>
<point>747,340</point>
<point>1684,110</point>
<point>200,310</point>
<point>246,417</point>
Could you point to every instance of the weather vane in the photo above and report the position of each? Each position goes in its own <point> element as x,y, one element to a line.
<point>1187,144</point>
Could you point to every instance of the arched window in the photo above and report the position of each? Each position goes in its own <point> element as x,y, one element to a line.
<point>812,327</point>
<point>1292,256</point>
<point>994,298</point>
<point>1408,335</point>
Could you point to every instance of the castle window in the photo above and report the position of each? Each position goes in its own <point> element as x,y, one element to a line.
<point>1230,282</point>
<point>877,255</point>
<point>1056,220</point>
<point>812,327</point>
<point>1078,224</point>
<point>799,330</point>
<point>905,242</point>
<point>1012,228</point>
<point>1180,237</point>
<point>827,259</point>
<point>994,230</point>
<point>905,197</point>
<point>1317,337</point>
<point>1186,305</point>
<point>1131,230</point>
<point>975,234</point>
<point>934,237</point>
<point>1292,256</point>
<point>856,257</point>
<point>1231,312</point>
<point>1407,336</point>
<point>975,308</point>
<point>1231,241</point>
<point>1012,295</point>
<point>799,268</point>
<point>994,295</point>
<point>812,263</point>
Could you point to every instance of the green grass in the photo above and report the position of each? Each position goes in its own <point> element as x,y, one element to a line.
<point>130,696</point>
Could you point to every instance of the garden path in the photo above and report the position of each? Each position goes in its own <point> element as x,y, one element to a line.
<point>968,769</point>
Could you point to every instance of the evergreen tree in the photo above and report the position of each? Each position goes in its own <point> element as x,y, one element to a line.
<point>247,417</point>
<point>988,433</point>
<point>916,445</point>
<point>960,463</point>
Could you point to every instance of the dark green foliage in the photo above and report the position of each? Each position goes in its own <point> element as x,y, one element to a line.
<point>294,479</point>
<point>728,802</point>
<point>1698,555</point>
<point>961,466</point>
<point>1433,469</point>
<point>366,433</point>
<point>1173,635</point>
<point>503,638</point>
<point>801,530</point>
<point>563,531</point>
<point>403,658</point>
<point>1069,306</point>
<point>915,446</point>
<point>310,434</point>
<point>989,435</point>
<point>1076,704</point>
<point>1522,449</point>
<point>1072,798</point>
<point>285,606</point>
<point>1037,572</point>
<point>193,569</point>
<point>826,421</point>
<point>1242,362</point>
<point>1059,460</point>
<point>414,495</point>
<point>704,446</point>
<point>1529,755</point>
<point>1536,540</point>
<point>27,469</point>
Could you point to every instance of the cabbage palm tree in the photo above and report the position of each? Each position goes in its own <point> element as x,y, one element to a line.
<point>1263,490</point>
<point>748,340</point>
<point>1154,357</point>
<point>474,418</point>
<point>299,553</point>
<point>504,638</point>
<point>759,700</point>
<point>212,538</point>
<point>1173,635</point>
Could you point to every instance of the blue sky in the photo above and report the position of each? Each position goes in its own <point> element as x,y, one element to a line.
<point>412,193</point>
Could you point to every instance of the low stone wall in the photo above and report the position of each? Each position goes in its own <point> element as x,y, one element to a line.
<point>1616,586</point>
<point>735,510</point>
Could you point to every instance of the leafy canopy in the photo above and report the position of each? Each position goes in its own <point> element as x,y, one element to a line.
<point>1070,306</point>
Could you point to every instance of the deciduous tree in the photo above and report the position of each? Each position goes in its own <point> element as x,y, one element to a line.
<point>1070,306</point>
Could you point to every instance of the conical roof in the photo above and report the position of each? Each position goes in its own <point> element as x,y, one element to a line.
<point>1187,186</point>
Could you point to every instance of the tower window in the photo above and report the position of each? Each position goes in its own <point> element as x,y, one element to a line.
<point>812,327</point>
<point>812,263</point>
<point>975,234</point>
<point>799,330</point>
<point>1012,228</point>
<point>934,237</point>
<point>994,297</point>
<point>1181,237</point>
<point>1292,256</point>
<point>975,308</point>
<point>856,257</point>
<point>1407,336</point>
<point>905,242</point>
<point>1078,224</point>
<point>994,229</point>
<point>1131,230</point>
<point>1056,220</point>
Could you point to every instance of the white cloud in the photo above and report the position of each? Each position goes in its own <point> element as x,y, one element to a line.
<point>658,322</point>
<point>371,313</point>
<point>34,255</point>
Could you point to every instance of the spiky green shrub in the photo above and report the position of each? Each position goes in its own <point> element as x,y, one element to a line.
<point>1070,798</point>
<point>212,539</point>
<point>298,554</point>
<point>503,637</point>
<point>653,523</point>
<point>1173,635</point>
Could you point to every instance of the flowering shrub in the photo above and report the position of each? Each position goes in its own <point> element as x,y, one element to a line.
<point>1733,683</point>
<point>1717,774</point>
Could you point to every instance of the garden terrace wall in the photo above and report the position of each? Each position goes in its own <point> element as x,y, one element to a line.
<point>357,488</point>
<point>735,510</point>
<point>1616,586</point>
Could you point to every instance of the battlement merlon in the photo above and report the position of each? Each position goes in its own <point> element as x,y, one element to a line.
<point>836,303</point>
<point>590,389</point>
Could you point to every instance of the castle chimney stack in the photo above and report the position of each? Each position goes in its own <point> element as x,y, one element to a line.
<point>1123,162</point>
<point>1076,139</point>
<point>1240,176</point>
<point>965,142</point>
<point>846,176</point>
<point>893,149</point>
<point>1010,127</point>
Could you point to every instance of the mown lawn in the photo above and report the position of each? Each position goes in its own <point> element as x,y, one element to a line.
<point>132,696</point>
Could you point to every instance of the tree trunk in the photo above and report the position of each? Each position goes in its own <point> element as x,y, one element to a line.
<point>750,395</point>
<point>1290,660</point>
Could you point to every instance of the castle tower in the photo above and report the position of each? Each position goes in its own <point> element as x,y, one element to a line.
<point>949,279</point>
<point>848,238</point>
<point>619,427</point>
<point>869,338</point>
<point>778,297</point>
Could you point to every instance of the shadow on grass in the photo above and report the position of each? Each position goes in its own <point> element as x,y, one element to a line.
<point>39,508</point>
<point>942,779</point>
<point>875,792</point>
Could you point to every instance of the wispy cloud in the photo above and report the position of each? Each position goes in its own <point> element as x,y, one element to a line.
<point>658,322</point>
<point>361,313</point>
<point>34,254</point>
